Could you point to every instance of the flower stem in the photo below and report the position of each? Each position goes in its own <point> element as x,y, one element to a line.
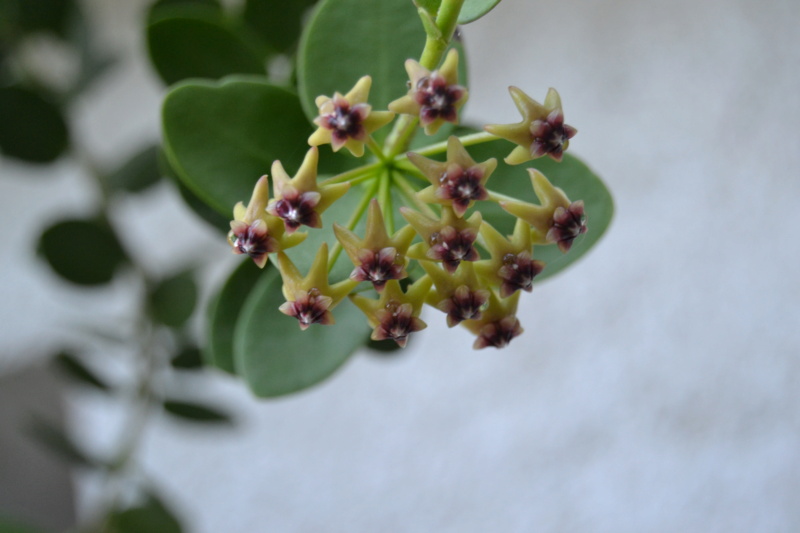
<point>385,200</point>
<point>500,197</point>
<point>375,148</point>
<point>410,194</point>
<point>353,222</point>
<point>466,140</point>
<point>351,174</point>
<point>435,46</point>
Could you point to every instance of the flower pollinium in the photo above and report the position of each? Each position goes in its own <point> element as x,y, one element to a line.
<point>256,233</point>
<point>568,223</point>
<point>449,240</point>
<point>498,325</point>
<point>458,181</point>
<point>458,295</point>
<point>395,315</point>
<point>377,257</point>
<point>556,220</point>
<point>344,121</point>
<point>300,200</point>
<point>348,120</point>
<point>309,307</point>
<point>434,96</point>
<point>541,132</point>
<point>311,298</point>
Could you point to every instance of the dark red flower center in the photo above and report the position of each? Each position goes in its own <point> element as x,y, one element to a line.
<point>397,322</point>
<point>517,273</point>
<point>550,135</point>
<point>297,209</point>
<point>464,305</point>
<point>379,267</point>
<point>452,246</point>
<point>567,225</point>
<point>437,99</point>
<point>499,334</point>
<point>462,186</point>
<point>346,121</point>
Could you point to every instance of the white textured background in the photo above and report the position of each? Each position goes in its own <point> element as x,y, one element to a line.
<point>656,387</point>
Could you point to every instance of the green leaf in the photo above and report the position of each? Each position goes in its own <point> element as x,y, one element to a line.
<point>277,22</point>
<point>472,10</point>
<point>173,300</point>
<point>347,39</point>
<point>150,517</point>
<point>57,441</point>
<point>82,251</point>
<point>138,173</point>
<point>198,207</point>
<point>189,358</point>
<point>224,313</point>
<point>32,128</point>
<point>571,175</point>
<point>275,357</point>
<point>221,137</point>
<point>9,525</point>
<point>195,412</point>
<point>195,41</point>
<point>76,370</point>
<point>37,15</point>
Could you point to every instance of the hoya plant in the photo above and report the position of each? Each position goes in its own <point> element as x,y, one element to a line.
<point>356,192</point>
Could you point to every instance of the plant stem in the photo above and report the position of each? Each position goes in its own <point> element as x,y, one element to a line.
<point>385,200</point>
<point>351,174</point>
<point>375,148</point>
<point>446,21</point>
<point>353,222</point>
<point>408,191</point>
<point>500,197</point>
<point>466,140</point>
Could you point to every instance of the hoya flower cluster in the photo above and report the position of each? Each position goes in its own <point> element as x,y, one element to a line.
<point>461,265</point>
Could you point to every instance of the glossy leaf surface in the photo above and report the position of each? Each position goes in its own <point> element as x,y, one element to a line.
<point>472,10</point>
<point>221,137</point>
<point>347,39</point>
<point>275,357</point>
<point>195,41</point>
<point>224,313</point>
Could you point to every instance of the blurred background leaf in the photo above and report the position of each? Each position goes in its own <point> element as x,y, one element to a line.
<point>83,251</point>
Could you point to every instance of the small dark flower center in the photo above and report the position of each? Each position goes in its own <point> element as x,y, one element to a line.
<point>437,99</point>
<point>346,121</point>
<point>378,267</point>
<point>517,273</point>
<point>451,247</point>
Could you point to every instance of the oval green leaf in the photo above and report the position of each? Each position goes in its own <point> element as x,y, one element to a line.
<point>571,174</point>
<point>221,137</point>
<point>32,128</point>
<point>224,313</point>
<point>276,358</point>
<point>137,174</point>
<point>85,252</point>
<point>277,22</point>
<point>472,10</point>
<point>347,39</point>
<point>195,41</point>
<point>173,299</point>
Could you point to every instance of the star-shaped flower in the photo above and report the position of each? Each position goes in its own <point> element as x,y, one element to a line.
<point>556,220</point>
<point>460,296</point>
<point>449,239</point>
<point>541,132</point>
<point>511,264</point>
<point>311,298</point>
<point>377,257</point>
<point>300,200</point>
<point>256,233</point>
<point>435,96</point>
<point>498,325</point>
<point>396,314</point>
<point>348,120</point>
<point>457,182</point>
